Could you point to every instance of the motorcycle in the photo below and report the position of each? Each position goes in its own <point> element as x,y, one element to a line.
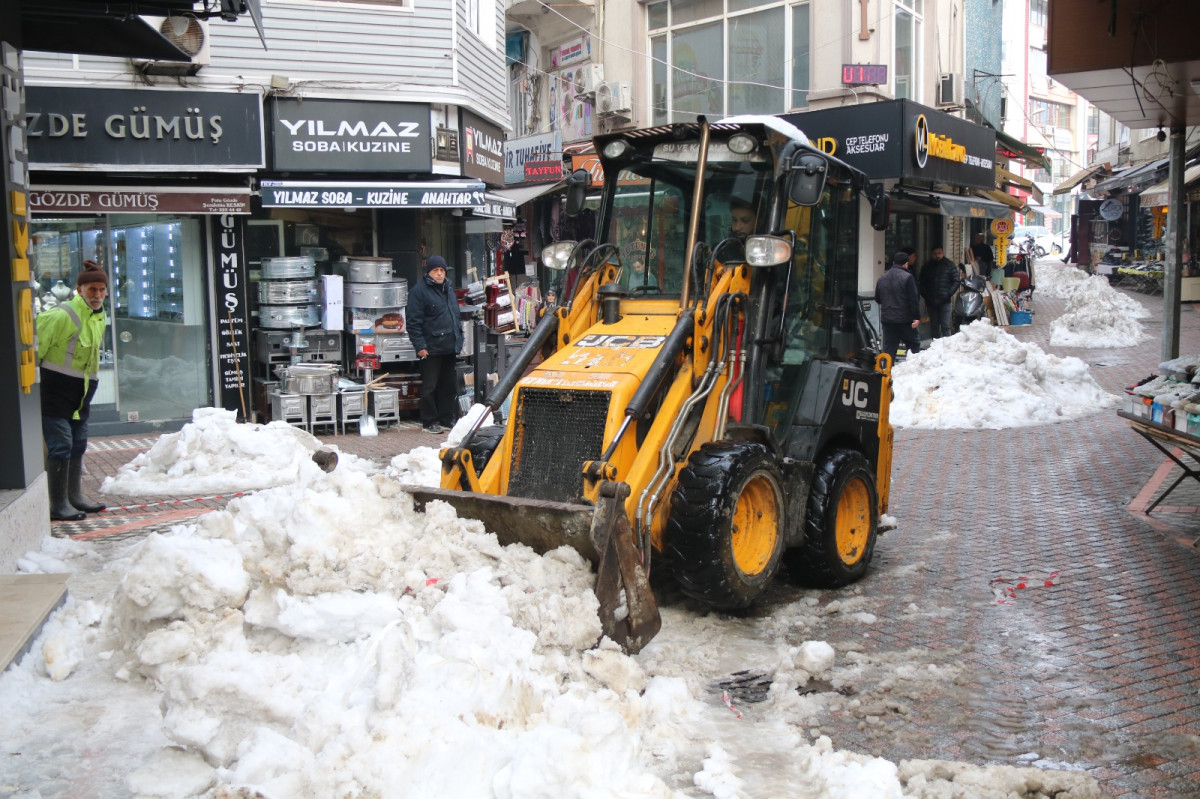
<point>968,304</point>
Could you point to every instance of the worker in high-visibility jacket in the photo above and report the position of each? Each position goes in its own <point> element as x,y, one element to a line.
<point>70,336</point>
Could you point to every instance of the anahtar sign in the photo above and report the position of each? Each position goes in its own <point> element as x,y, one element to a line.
<point>307,194</point>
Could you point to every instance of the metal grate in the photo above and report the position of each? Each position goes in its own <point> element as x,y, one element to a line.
<point>556,431</point>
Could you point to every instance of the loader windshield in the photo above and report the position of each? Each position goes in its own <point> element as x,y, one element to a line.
<point>651,208</point>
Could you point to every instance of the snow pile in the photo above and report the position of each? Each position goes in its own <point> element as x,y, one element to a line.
<point>322,638</point>
<point>982,377</point>
<point>1098,316</point>
<point>215,454</point>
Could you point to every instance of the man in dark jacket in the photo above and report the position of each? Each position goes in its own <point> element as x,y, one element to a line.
<point>899,306</point>
<point>939,280</point>
<point>434,328</point>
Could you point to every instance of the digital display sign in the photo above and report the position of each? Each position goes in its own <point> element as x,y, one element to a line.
<point>853,74</point>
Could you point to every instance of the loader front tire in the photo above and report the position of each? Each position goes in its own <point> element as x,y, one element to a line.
<point>724,537</point>
<point>841,524</point>
<point>483,444</point>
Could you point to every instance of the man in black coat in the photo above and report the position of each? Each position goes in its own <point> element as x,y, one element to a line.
<point>899,306</point>
<point>938,282</point>
<point>432,320</point>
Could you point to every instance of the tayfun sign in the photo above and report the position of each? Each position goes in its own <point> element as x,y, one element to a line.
<point>349,136</point>
<point>519,152</point>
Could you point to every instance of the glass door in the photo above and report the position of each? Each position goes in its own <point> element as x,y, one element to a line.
<point>154,363</point>
<point>159,319</point>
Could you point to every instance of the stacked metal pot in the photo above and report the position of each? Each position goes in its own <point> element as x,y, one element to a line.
<point>375,301</point>
<point>287,293</point>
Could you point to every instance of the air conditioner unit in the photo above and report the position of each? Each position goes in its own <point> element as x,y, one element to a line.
<point>612,99</point>
<point>949,89</point>
<point>586,78</point>
<point>185,32</point>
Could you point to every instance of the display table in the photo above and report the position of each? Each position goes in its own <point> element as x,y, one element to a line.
<point>1168,440</point>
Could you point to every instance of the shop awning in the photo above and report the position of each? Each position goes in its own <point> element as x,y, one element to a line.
<point>523,194</point>
<point>1006,178</point>
<point>139,199</point>
<point>1015,148</point>
<point>1136,178</point>
<point>1158,193</point>
<point>335,194</point>
<point>1079,177</point>
<point>951,204</point>
<point>1010,202</point>
<point>1045,210</point>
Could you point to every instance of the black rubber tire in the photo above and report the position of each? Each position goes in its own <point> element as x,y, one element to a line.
<point>483,444</point>
<point>701,535</point>
<point>1039,252</point>
<point>820,562</point>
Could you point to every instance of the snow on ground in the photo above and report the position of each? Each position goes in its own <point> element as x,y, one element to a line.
<point>321,638</point>
<point>1097,315</point>
<point>983,377</point>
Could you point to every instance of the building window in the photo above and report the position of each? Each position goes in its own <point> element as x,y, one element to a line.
<point>1037,13</point>
<point>720,57</point>
<point>1045,114</point>
<point>907,44</point>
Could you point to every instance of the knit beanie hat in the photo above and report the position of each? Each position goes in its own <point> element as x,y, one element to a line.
<point>91,273</point>
<point>900,258</point>
<point>434,262</point>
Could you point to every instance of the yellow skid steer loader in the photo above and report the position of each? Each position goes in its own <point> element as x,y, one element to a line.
<point>709,397</point>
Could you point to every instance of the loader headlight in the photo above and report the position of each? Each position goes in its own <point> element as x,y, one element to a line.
<point>767,251</point>
<point>558,255</point>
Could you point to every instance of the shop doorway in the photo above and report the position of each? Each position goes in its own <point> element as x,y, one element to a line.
<point>154,359</point>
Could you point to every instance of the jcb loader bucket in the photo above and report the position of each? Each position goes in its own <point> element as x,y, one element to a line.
<point>628,612</point>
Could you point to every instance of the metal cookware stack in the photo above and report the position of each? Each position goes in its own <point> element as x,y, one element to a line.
<point>287,293</point>
<point>375,301</point>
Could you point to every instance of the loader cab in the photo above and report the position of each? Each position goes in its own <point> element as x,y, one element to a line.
<point>647,212</point>
<point>813,300</point>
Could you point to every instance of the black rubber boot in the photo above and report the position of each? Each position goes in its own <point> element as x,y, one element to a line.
<point>74,494</point>
<point>60,509</point>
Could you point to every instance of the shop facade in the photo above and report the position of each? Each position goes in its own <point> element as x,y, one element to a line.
<point>107,184</point>
<point>939,170</point>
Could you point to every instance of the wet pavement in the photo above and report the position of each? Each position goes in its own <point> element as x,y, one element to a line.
<point>1022,558</point>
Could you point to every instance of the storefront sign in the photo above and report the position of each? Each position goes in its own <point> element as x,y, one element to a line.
<point>483,149</point>
<point>497,207</point>
<point>231,322</point>
<point>569,52</point>
<point>543,171</point>
<point>350,136</point>
<point>902,139</point>
<point>517,152</point>
<point>143,130</point>
<point>446,194</point>
<point>102,200</point>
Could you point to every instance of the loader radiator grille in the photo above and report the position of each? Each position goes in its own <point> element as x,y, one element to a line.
<point>556,431</point>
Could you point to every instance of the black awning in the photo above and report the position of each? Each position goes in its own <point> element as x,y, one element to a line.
<point>1022,151</point>
<point>1137,178</point>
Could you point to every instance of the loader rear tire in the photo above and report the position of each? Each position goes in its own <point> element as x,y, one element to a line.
<point>841,524</point>
<point>724,537</point>
<point>483,444</point>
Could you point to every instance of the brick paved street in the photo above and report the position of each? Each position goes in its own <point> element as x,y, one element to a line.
<point>1100,670</point>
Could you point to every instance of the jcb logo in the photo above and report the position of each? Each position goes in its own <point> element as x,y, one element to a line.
<point>854,392</point>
